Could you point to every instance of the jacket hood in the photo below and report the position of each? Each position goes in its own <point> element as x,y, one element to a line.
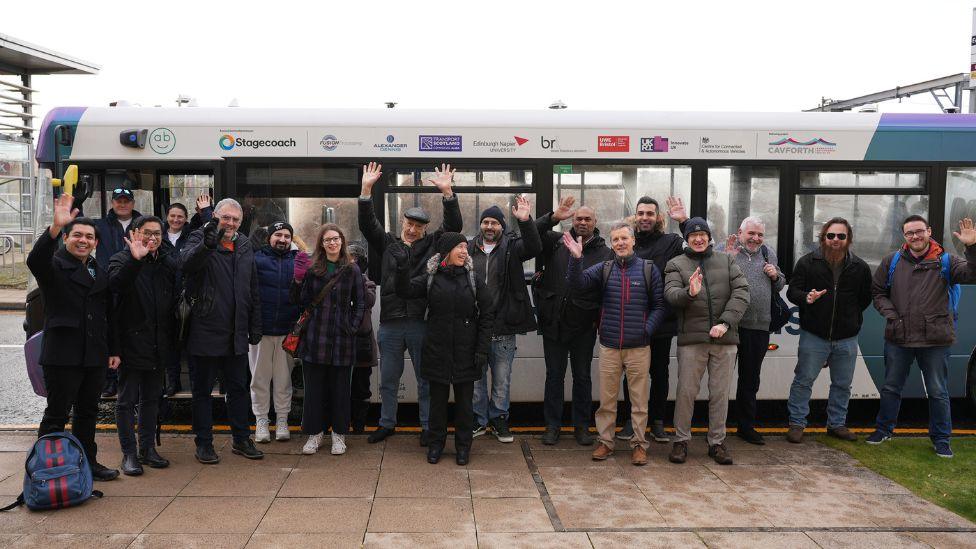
<point>935,250</point>
<point>435,261</point>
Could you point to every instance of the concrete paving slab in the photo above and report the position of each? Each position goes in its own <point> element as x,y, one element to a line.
<point>210,515</point>
<point>107,515</point>
<point>17,442</point>
<point>759,478</point>
<point>73,541</point>
<point>907,510</point>
<point>947,540</point>
<point>418,460</point>
<point>568,481</point>
<point>499,461</point>
<point>511,515</point>
<point>316,515</point>
<point>706,510</point>
<point>852,480</point>
<point>292,541</point>
<point>750,540</point>
<point>866,540</point>
<point>648,540</point>
<point>802,510</point>
<point>607,510</point>
<point>690,478</point>
<point>430,541</point>
<point>408,515</point>
<point>21,520</point>
<point>13,485</point>
<point>502,484</point>
<point>155,482</point>
<point>561,540</point>
<point>575,458</point>
<point>324,460</point>
<point>432,483</point>
<point>330,483</point>
<point>243,481</point>
<point>190,541</point>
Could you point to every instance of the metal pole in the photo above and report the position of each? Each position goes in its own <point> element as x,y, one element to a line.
<point>972,100</point>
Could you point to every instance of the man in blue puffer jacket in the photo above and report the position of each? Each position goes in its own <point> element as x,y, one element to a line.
<point>632,310</point>
<point>277,265</point>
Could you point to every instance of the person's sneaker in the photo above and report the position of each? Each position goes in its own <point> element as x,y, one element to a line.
<point>795,434</point>
<point>877,437</point>
<point>602,452</point>
<point>658,433</point>
<point>942,449</point>
<point>247,449</point>
<point>638,456</point>
<point>380,434</point>
<point>111,389</point>
<point>281,429</point>
<point>842,433</point>
<point>720,454</point>
<point>312,444</point>
<point>583,436</point>
<point>627,432</point>
<point>751,436</point>
<point>103,473</point>
<point>424,438</point>
<point>499,428</point>
<point>679,452</point>
<point>207,455</point>
<point>338,444</point>
<point>261,431</point>
<point>479,430</point>
<point>551,436</point>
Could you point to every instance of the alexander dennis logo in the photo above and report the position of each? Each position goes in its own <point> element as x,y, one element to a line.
<point>786,144</point>
<point>229,142</point>
<point>390,145</point>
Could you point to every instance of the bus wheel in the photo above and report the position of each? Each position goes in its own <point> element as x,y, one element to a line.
<point>971,383</point>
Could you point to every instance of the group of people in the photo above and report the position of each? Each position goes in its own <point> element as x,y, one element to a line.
<point>157,290</point>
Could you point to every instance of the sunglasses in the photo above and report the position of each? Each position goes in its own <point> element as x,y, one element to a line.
<point>122,191</point>
<point>838,236</point>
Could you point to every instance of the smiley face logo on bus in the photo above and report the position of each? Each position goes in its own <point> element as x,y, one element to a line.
<point>226,142</point>
<point>162,141</point>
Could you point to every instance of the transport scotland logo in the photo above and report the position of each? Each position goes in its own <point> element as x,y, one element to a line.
<point>444,143</point>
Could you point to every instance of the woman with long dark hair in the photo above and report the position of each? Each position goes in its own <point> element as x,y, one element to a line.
<point>328,348</point>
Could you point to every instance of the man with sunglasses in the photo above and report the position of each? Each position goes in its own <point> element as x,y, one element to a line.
<point>914,290</point>
<point>832,287</point>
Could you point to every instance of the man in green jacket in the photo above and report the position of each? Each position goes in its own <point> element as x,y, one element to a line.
<point>710,295</point>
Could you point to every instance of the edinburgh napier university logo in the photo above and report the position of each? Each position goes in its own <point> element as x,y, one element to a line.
<point>656,144</point>
<point>440,143</point>
<point>613,143</point>
<point>500,145</point>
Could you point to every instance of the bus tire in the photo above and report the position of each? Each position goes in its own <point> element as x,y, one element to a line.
<point>971,383</point>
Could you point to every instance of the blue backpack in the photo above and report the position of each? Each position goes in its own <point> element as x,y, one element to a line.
<point>954,290</point>
<point>57,475</point>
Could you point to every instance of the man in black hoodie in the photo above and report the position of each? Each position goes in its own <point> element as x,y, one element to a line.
<point>655,244</point>
<point>567,320</point>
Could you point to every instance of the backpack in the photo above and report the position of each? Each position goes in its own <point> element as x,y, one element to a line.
<point>57,474</point>
<point>954,290</point>
<point>779,311</point>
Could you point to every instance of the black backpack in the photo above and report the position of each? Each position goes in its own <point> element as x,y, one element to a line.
<point>779,311</point>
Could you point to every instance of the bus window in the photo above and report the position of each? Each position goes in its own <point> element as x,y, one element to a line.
<point>861,179</point>
<point>307,215</point>
<point>738,192</point>
<point>468,178</point>
<point>960,203</point>
<point>185,188</point>
<point>613,191</point>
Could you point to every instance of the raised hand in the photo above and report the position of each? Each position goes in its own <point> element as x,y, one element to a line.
<point>204,201</point>
<point>565,209</point>
<point>676,209</point>
<point>814,295</point>
<point>522,209</point>
<point>443,179</point>
<point>211,235</point>
<point>371,174</point>
<point>401,254</point>
<point>63,213</point>
<point>732,244</point>
<point>695,282</point>
<point>136,246</point>
<point>575,247</point>
<point>967,232</point>
<point>718,331</point>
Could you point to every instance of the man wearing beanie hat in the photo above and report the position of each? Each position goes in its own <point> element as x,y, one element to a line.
<point>710,295</point>
<point>277,263</point>
<point>498,258</point>
<point>402,324</point>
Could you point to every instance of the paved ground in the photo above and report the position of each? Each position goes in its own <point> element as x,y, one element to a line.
<point>511,495</point>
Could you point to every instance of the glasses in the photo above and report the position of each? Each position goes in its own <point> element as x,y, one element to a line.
<point>230,219</point>
<point>838,236</point>
<point>332,239</point>
<point>153,234</point>
<point>919,233</point>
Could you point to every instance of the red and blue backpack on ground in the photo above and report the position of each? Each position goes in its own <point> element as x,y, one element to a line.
<point>57,474</point>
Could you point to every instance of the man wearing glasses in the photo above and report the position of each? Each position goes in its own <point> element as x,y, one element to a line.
<point>832,287</point>
<point>221,278</point>
<point>915,291</point>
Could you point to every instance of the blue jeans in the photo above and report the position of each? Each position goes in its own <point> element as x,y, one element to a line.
<point>395,337</point>
<point>934,364</point>
<point>500,358</point>
<point>812,353</point>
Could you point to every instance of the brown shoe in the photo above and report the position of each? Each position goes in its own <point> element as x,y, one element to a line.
<point>602,452</point>
<point>842,433</point>
<point>720,454</point>
<point>679,452</point>
<point>638,456</point>
<point>795,434</point>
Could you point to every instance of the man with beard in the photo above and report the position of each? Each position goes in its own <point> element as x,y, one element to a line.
<point>832,287</point>
<point>660,247</point>
<point>914,289</point>
<point>567,319</point>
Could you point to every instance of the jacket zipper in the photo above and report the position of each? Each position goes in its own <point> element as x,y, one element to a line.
<point>624,285</point>
<point>833,304</point>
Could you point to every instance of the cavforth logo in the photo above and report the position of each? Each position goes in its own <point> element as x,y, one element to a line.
<point>162,141</point>
<point>390,145</point>
<point>789,145</point>
<point>448,143</point>
<point>329,142</point>
<point>656,144</point>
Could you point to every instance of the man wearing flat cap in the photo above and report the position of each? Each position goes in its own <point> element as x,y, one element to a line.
<point>402,324</point>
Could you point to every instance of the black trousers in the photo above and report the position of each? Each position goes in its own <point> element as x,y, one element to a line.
<point>234,370</point>
<point>579,351</point>
<point>753,345</point>
<point>360,394</point>
<point>660,359</point>
<point>75,387</point>
<point>463,413</point>
<point>327,398</point>
<point>174,369</point>
<point>143,388</point>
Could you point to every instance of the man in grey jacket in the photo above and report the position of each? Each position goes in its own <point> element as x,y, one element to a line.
<point>758,263</point>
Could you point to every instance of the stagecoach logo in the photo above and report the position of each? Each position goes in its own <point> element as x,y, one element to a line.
<point>500,145</point>
<point>162,141</point>
<point>330,143</point>
<point>440,143</point>
<point>786,144</point>
<point>390,145</point>
<point>229,142</point>
<point>613,143</point>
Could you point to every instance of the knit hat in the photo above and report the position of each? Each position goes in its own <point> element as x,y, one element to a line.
<point>696,225</point>
<point>495,213</point>
<point>358,249</point>
<point>447,242</point>
<point>279,226</point>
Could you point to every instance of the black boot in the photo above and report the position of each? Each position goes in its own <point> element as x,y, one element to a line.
<point>206,455</point>
<point>149,456</point>
<point>101,472</point>
<point>434,453</point>
<point>247,449</point>
<point>111,388</point>
<point>463,455</point>
<point>131,466</point>
<point>583,436</point>
<point>380,434</point>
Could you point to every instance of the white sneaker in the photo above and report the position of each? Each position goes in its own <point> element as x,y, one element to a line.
<point>312,445</point>
<point>338,444</point>
<point>281,429</point>
<point>261,433</point>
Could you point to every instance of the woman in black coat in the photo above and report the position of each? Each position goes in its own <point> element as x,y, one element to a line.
<point>459,317</point>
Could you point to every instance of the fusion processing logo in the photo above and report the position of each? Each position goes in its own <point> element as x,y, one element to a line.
<point>226,142</point>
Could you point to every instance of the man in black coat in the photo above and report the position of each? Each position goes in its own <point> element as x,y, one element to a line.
<point>567,320</point>
<point>221,278</point>
<point>402,325</point>
<point>498,258</point>
<point>655,244</point>
<point>143,278</point>
<point>78,338</point>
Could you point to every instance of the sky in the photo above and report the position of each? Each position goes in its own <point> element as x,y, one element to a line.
<point>697,56</point>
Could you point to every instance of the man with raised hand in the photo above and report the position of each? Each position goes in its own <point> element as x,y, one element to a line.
<point>402,325</point>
